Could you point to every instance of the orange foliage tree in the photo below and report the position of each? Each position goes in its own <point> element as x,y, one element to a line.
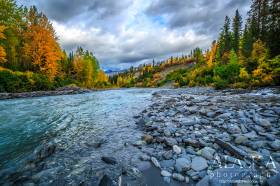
<point>2,50</point>
<point>40,45</point>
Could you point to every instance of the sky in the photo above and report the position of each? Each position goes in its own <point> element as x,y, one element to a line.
<point>131,32</point>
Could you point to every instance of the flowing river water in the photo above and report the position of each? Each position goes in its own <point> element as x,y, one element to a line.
<point>74,123</point>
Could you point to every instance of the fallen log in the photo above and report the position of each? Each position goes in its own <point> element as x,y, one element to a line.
<point>238,153</point>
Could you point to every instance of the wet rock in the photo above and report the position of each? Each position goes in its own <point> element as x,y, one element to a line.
<point>167,132</point>
<point>240,139</point>
<point>193,143</point>
<point>177,149</point>
<point>147,138</point>
<point>139,143</point>
<point>165,173</point>
<point>167,155</point>
<point>182,164</point>
<point>274,180</point>
<point>204,181</point>
<point>155,162</point>
<point>167,164</point>
<point>263,122</point>
<point>46,151</point>
<point>178,177</point>
<point>145,157</point>
<point>167,179</point>
<point>187,179</point>
<point>199,164</point>
<point>171,142</point>
<point>234,129</point>
<point>109,160</point>
<point>251,135</point>
<point>275,145</point>
<point>106,181</point>
<point>208,153</point>
<point>95,144</point>
<point>144,165</point>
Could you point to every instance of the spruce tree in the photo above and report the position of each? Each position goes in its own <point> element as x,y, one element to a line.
<point>236,27</point>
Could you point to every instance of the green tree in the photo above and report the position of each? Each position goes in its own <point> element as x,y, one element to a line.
<point>236,27</point>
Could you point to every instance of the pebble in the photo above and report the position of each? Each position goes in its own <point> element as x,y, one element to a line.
<point>109,160</point>
<point>167,155</point>
<point>178,177</point>
<point>165,173</point>
<point>155,162</point>
<point>147,138</point>
<point>240,139</point>
<point>177,149</point>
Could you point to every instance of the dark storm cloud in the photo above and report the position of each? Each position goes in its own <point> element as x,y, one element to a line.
<point>204,15</point>
<point>64,10</point>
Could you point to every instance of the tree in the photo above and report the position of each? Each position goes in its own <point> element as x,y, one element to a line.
<point>236,27</point>
<point>263,74</point>
<point>2,50</point>
<point>11,16</point>
<point>212,54</point>
<point>224,42</point>
<point>247,41</point>
<point>227,35</point>
<point>274,28</point>
<point>40,45</point>
<point>233,58</point>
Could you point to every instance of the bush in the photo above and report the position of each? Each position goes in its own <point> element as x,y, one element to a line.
<point>220,83</point>
<point>23,81</point>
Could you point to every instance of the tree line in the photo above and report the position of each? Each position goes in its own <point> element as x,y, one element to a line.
<point>241,57</point>
<point>32,59</point>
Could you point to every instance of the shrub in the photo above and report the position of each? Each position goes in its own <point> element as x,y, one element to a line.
<point>220,83</point>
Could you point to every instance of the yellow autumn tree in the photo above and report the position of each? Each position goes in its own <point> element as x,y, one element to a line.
<point>40,45</point>
<point>2,50</point>
<point>102,77</point>
<point>212,55</point>
<point>263,74</point>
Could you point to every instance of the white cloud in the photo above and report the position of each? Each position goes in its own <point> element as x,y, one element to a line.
<point>129,32</point>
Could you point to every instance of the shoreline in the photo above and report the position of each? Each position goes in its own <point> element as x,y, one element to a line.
<point>6,96</point>
<point>78,90</point>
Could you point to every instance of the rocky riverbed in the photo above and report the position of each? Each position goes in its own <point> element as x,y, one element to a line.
<point>212,137</point>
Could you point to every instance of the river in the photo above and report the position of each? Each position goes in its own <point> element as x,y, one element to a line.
<point>73,122</point>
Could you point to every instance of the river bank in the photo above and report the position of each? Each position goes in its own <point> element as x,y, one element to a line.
<point>60,91</point>
<point>212,137</point>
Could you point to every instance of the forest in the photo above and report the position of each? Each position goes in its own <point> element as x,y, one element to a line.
<point>31,58</point>
<point>242,56</point>
<point>246,54</point>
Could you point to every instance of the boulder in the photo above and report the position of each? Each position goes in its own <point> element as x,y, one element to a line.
<point>182,164</point>
<point>199,164</point>
<point>208,153</point>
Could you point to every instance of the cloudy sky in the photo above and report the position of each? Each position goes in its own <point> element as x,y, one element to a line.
<point>130,32</point>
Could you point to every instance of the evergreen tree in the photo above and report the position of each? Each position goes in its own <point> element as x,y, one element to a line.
<point>236,27</point>
<point>247,41</point>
